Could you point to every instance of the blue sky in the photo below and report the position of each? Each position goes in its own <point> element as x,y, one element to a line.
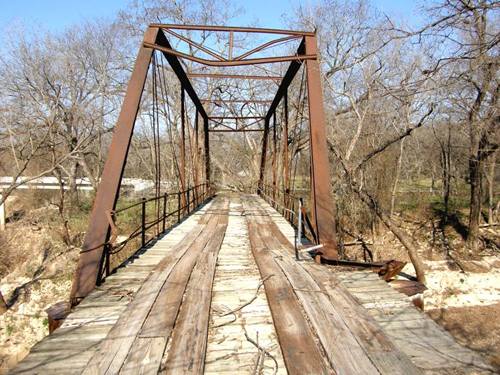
<point>57,14</point>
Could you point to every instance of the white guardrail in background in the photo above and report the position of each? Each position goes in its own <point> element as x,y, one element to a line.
<point>136,185</point>
<point>52,183</point>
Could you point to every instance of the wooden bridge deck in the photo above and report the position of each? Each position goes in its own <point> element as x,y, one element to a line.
<point>222,293</point>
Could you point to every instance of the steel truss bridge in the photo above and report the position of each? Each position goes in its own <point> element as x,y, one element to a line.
<point>216,282</point>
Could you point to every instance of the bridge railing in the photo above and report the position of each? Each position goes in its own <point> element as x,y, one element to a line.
<point>152,217</point>
<point>292,208</point>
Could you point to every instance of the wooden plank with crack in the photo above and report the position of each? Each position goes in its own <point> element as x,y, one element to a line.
<point>418,345</point>
<point>237,287</point>
<point>189,338</point>
<point>114,349</point>
<point>324,318</point>
<point>164,313</point>
<point>161,318</point>
<point>334,313</point>
<point>382,352</point>
<point>298,344</point>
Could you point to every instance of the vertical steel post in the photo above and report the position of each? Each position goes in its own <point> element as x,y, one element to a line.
<point>206,141</point>
<point>286,178</point>
<point>108,260</point>
<point>196,154</point>
<point>298,240</point>
<point>91,256</point>
<point>164,211</point>
<point>263,155</point>
<point>274,160</point>
<point>231,42</point>
<point>322,205</point>
<point>2,215</point>
<point>182,172</point>
<point>143,222</point>
<point>188,200</point>
<point>178,207</point>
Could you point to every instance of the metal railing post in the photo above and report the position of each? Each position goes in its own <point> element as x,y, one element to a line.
<point>164,211</point>
<point>298,240</point>
<point>188,200</point>
<point>143,223</point>
<point>179,207</point>
<point>107,260</point>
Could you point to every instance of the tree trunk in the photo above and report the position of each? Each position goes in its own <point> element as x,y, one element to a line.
<point>475,202</point>
<point>400,235</point>
<point>88,172</point>
<point>446,165</point>
<point>72,175</point>
<point>396,178</point>
<point>490,176</point>
<point>3,305</point>
<point>65,230</point>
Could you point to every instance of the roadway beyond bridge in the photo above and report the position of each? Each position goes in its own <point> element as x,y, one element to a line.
<point>222,293</point>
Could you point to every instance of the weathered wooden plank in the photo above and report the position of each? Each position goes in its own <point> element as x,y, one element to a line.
<point>348,358</point>
<point>300,351</point>
<point>189,340</point>
<point>386,357</point>
<point>368,343</point>
<point>115,348</point>
<point>375,297</point>
<point>56,362</point>
<point>97,311</point>
<point>162,316</point>
<point>395,314</point>
<point>341,316</point>
<point>357,275</point>
<point>235,283</point>
<point>161,319</point>
<point>145,357</point>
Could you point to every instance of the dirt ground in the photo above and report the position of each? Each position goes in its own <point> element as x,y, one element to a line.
<point>476,327</point>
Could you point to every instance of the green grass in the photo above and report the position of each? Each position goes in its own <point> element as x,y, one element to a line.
<point>419,203</point>
<point>9,329</point>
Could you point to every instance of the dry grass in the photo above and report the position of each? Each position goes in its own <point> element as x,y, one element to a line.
<point>36,267</point>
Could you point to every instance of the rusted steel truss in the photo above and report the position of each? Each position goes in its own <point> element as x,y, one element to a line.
<point>221,127</point>
<point>235,76</point>
<point>322,205</point>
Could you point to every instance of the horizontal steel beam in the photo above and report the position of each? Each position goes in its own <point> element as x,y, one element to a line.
<point>229,101</point>
<point>263,60</point>
<point>232,29</point>
<point>234,130</point>
<point>235,76</point>
<point>236,118</point>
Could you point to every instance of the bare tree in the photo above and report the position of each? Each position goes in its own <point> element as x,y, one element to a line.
<point>60,99</point>
<point>466,36</point>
